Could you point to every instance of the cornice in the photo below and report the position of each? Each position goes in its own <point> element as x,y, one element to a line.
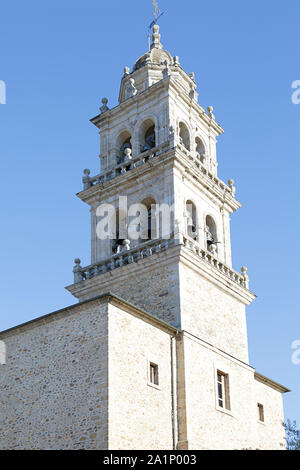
<point>211,347</point>
<point>121,182</point>
<point>177,254</point>
<point>128,105</point>
<point>106,298</point>
<point>117,301</point>
<point>144,265</point>
<point>270,383</point>
<point>212,187</point>
<point>215,276</point>
<point>170,82</point>
<point>211,123</point>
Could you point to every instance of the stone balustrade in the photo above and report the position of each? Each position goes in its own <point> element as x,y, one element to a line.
<point>126,256</point>
<point>146,156</point>
<point>122,168</point>
<point>130,255</point>
<point>198,165</point>
<point>209,258</point>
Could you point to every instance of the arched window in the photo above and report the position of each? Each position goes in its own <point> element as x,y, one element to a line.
<point>191,220</point>
<point>200,149</point>
<point>184,136</point>
<point>211,235</point>
<point>124,142</point>
<point>117,243</point>
<point>150,231</point>
<point>147,135</point>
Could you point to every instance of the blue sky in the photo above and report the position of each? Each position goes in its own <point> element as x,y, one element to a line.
<point>58,59</point>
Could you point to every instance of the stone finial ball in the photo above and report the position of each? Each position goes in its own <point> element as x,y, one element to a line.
<point>104,101</point>
<point>86,172</point>
<point>231,182</point>
<point>210,109</point>
<point>77,261</point>
<point>244,270</point>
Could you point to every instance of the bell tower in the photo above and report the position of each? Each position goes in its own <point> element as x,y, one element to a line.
<point>155,355</point>
<point>158,148</point>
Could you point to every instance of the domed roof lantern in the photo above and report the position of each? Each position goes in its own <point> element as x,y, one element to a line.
<point>157,55</point>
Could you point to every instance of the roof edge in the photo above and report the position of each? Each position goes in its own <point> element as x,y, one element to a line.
<point>271,383</point>
<point>111,298</point>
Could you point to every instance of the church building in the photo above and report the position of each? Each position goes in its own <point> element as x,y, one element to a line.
<point>154,353</point>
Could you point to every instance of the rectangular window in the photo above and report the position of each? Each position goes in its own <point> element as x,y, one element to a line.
<point>223,390</point>
<point>153,375</point>
<point>261,413</point>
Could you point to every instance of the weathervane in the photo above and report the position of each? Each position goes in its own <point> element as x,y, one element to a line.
<point>156,10</point>
<point>157,14</point>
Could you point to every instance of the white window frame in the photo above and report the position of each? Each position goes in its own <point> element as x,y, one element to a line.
<point>149,382</point>
<point>226,408</point>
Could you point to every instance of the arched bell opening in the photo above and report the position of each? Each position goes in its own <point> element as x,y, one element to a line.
<point>149,232</point>
<point>121,232</point>
<point>200,149</point>
<point>211,234</point>
<point>147,137</point>
<point>191,220</point>
<point>184,136</point>
<point>123,143</point>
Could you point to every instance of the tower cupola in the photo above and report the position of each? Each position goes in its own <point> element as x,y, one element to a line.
<point>151,67</point>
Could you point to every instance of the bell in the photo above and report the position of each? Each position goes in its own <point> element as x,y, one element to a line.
<point>190,222</point>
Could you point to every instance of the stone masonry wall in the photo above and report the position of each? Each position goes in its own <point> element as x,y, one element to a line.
<point>152,284</point>
<point>208,427</point>
<point>79,379</point>
<point>271,433</point>
<point>53,387</point>
<point>212,314</point>
<point>140,415</point>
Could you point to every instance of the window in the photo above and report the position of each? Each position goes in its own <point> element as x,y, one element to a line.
<point>223,400</point>
<point>184,136</point>
<point>121,229</point>
<point>153,374</point>
<point>149,232</point>
<point>191,220</point>
<point>123,143</point>
<point>200,149</point>
<point>211,235</point>
<point>149,139</point>
<point>261,413</point>
<point>147,135</point>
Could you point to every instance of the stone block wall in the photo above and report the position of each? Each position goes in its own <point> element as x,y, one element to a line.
<point>271,433</point>
<point>212,314</point>
<point>54,385</point>
<point>79,379</point>
<point>140,415</point>
<point>151,284</point>
<point>208,426</point>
